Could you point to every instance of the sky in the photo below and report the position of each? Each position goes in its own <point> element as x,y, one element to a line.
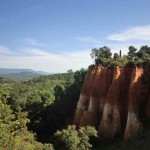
<point>58,35</point>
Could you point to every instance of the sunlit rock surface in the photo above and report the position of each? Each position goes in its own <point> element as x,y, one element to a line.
<point>112,100</point>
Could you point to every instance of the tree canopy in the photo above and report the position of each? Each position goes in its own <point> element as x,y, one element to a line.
<point>103,56</point>
<point>40,109</point>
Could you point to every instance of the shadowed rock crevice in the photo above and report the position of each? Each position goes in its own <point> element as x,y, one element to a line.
<point>111,99</point>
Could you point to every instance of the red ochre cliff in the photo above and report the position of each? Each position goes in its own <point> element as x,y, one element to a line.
<point>112,100</point>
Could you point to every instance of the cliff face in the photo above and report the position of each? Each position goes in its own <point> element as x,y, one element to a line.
<point>113,100</point>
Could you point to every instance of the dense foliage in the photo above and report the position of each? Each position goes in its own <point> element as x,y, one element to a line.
<point>47,101</point>
<point>38,111</point>
<point>75,139</point>
<point>134,56</point>
<point>13,129</point>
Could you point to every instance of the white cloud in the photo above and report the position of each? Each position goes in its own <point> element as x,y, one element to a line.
<point>38,59</point>
<point>33,42</point>
<point>35,52</point>
<point>4,50</point>
<point>141,33</point>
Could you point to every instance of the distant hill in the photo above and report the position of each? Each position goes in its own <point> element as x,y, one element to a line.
<point>20,74</point>
<point>7,70</point>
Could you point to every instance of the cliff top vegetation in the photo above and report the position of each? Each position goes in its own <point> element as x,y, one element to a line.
<point>134,57</point>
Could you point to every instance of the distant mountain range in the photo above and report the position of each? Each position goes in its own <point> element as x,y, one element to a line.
<point>7,70</point>
<point>21,74</point>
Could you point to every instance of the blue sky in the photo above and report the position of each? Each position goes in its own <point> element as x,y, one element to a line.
<point>58,35</point>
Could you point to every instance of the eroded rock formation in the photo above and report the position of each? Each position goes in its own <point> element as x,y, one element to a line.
<point>113,99</point>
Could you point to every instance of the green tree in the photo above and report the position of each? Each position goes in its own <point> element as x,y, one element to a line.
<point>59,92</point>
<point>106,52</point>
<point>144,50</point>
<point>120,54</point>
<point>99,55</point>
<point>116,56</point>
<point>13,129</point>
<point>76,139</point>
<point>140,54</point>
<point>95,53</point>
<point>70,71</point>
<point>102,52</point>
<point>132,52</point>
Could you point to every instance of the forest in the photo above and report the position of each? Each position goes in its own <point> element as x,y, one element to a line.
<point>38,114</point>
